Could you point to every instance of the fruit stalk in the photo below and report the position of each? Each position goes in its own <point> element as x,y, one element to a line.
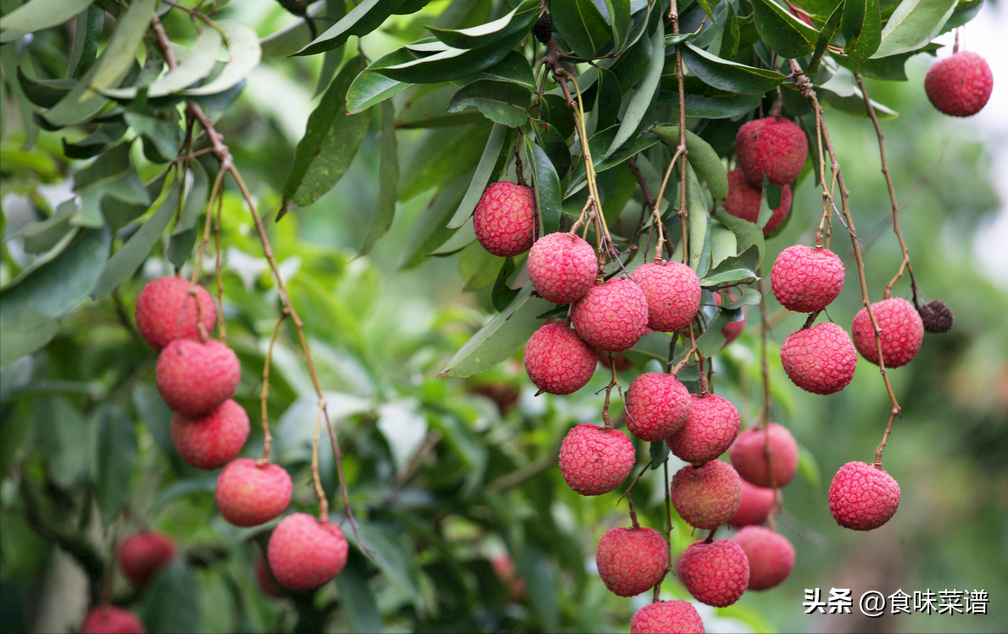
<point>681,151</point>
<point>264,395</point>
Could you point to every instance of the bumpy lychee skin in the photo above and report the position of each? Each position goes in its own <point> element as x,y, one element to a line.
<point>108,619</point>
<point>194,377</point>
<point>558,361</point>
<point>901,327</point>
<point>773,145</point>
<point>673,294</point>
<point>631,560</point>
<point>863,497</point>
<point>677,616</point>
<point>595,460</point>
<point>744,200</point>
<point>562,267</point>
<point>820,359</point>
<point>249,494</point>
<point>159,311</point>
<point>211,441</point>
<point>716,574</point>
<point>709,431</point>
<point>611,316</point>
<point>657,406</point>
<point>142,555</point>
<point>504,219</point>
<point>771,556</point>
<point>757,503</point>
<point>708,495</point>
<point>305,553</point>
<point>960,85</point>
<point>748,455</point>
<point>806,279</point>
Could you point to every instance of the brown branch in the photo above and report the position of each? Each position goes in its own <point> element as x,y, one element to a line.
<point>681,150</point>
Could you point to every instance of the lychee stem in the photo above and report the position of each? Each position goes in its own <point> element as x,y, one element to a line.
<point>681,151</point>
<point>220,275</point>
<point>319,491</point>
<point>629,497</point>
<point>264,395</point>
<point>608,391</point>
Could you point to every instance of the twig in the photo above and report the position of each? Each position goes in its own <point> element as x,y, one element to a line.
<point>264,395</point>
<point>681,150</point>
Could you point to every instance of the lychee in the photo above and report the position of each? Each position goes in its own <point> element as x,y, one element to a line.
<point>706,496</point>
<point>249,494</point>
<point>142,555</point>
<point>631,560</point>
<point>543,29</point>
<point>611,316</point>
<point>757,503</point>
<point>936,316</point>
<point>657,406</point>
<point>562,267</point>
<point>267,582</point>
<point>806,279</point>
<point>595,460</point>
<point>676,616</point>
<point>772,145</point>
<point>716,573</point>
<point>732,329</point>
<point>771,556</point>
<point>749,455</point>
<point>166,311</point>
<point>305,552</point>
<point>744,201</point>
<point>709,430</point>
<point>901,327</point>
<point>109,619</point>
<point>820,359</point>
<point>673,294</point>
<point>211,441</point>
<point>862,496</point>
<point>558,361</point>
<point>504,219</point>
<point>959,85</point>
<point>194,377</point>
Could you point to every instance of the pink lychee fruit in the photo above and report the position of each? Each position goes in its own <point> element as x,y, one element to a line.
<point>757,504</point>
<point>709,431</point>
<point>142,555</point>
<point>706,496</point>
<point>657,406</point>
<point>267,582</point>
<point>249,494</point>
<point>504,219</point>
<point>863,497</point>
<point>165,311</point>
<point>959,85</point>
<point>631,560</point>
<point>595,460</point>
<point>749,455</point>
<point>901,327</point>
<point>504,567</point>
<point>820,359</point>
<point>562,267</point>
<point>611,316</point>
<point>772,145</point>
<point>806,279</point>
<point>676,616</point>
<point>109,619</point>
<point>194,377</point>
<point>732,329</point>
<point>744,201</point>
<point>771,556</point>
<point>716,573</point>
<point>558,361</point>
<point>211,441</point>
<point>673,294</point>
<point>305,552</point>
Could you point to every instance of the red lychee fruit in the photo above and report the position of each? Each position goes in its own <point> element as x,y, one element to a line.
<point>211,441</point>
<point>611,316</point>
<point>667,616</point>
<point>504,219</point>
<point>959,85</point>
<point>267,582</point>
<point>249,494</point>
<point>558,361</point>
<point>562,267</point>
<point>595,460</point>
<point>194,377</point>
<point>756,505</point>
<point>771,556</point>
<point>142,555</point>
<point>732,329</point>
<point>109,619</point>
<point>773,145</point>
<point>673,294</point>
<point>631,560</point>
<point>657,406</point>
<point>716,573</point>
<point>744,200</point>
<point>504,567</point>
<point>820,359</point>
<point>862,496</point>
<point>749,455</point>
<point>901,327</point>
<point>706,496</point>
<point>806,279</point>
<point>709,431</point>
<point>159,311</point>
<point>305,553</point>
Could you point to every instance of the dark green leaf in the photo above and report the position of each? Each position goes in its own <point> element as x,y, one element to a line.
<point>357,600</point>
<point>619,17</point>
<point>862,29</point>
<point>36,15</point>
<point>449,64</point>
<point>361,20</point>
<point>67,458</point>
<point>516,23</point>
<point>96,142</point>
<point>23,332</point>
<point>738,268</point>
<point>554,146</point>
<point>505,103</point>
<point>44,92</point>
<point>151,408</point>
<point>115,460</point>
<point>162,136</point>
<point>785,34</point>
<point>513,68</point>
<point>371,87</point>
<point>440,156</point>
<point>429,231</point>
<point>659,453</point>
<point>825,38</point>
<point>171,603</point>
<point>640,103</point>
<point>85,47</point>
<point>912,24</point>
<point>502,294</point>
<point>487,164</point>
<point>547,189</point>
<point>730,76</point>
<point>388,180</point>
<point>701,156</point>
<point>582,26</point>
<point>608,98</point>
<point>427,107</point>
<point>712,340</point>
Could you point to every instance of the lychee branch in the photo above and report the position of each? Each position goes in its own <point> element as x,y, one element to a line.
<point>681,151</point>
<point>264,395</point>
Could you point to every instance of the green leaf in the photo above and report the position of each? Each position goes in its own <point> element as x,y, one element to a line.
<point>712,340</point>
<point>87,29</point>
<point>502,102</point>
<point>96,142</point>
<point>151,408</point>
<point>659,453</point>
<point>785,34</point>
<point>608,98</point>
<point>296,35</point>
<point>893,67</point>
<point>428,231</point>
<point>243,56</point>
<point>361,20</point>
<point>582,27</point>
<point>701,156</point>
<point>441,155</point>
<point>912,24</point>
<point>425,106</point>
<point>513,68</point>
<point>734,269</point>
<point>750,297</point>
<point>862,29</point>
<point>393,555</point>
<point>44,92</point>
<point>487,164</point>
<point>170,603</point>
<point>115,460</point>
<point>502,294</point>
<point>183,236</point>
<point>448,64</point>
<point>67,458</point>
<point>516,23</point>
<point>371,87</point>
<point>553,145</point>
<point>197,65</point>
<point>619,17</point>
<point>843,93</point>
<point>162,135</point>
<point>547,189</point>
<point>723,243</point>
<point>388,180</point>
<point>698,226</point>
<point>730,76</point>
<point>478,267</point>
<point>36,15</point>
<point>748,233</point>
<point>23,332</point>
<point>825,38</point>
<point>643,95</point>
<point>717,106</point>
<point>357,599</point>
